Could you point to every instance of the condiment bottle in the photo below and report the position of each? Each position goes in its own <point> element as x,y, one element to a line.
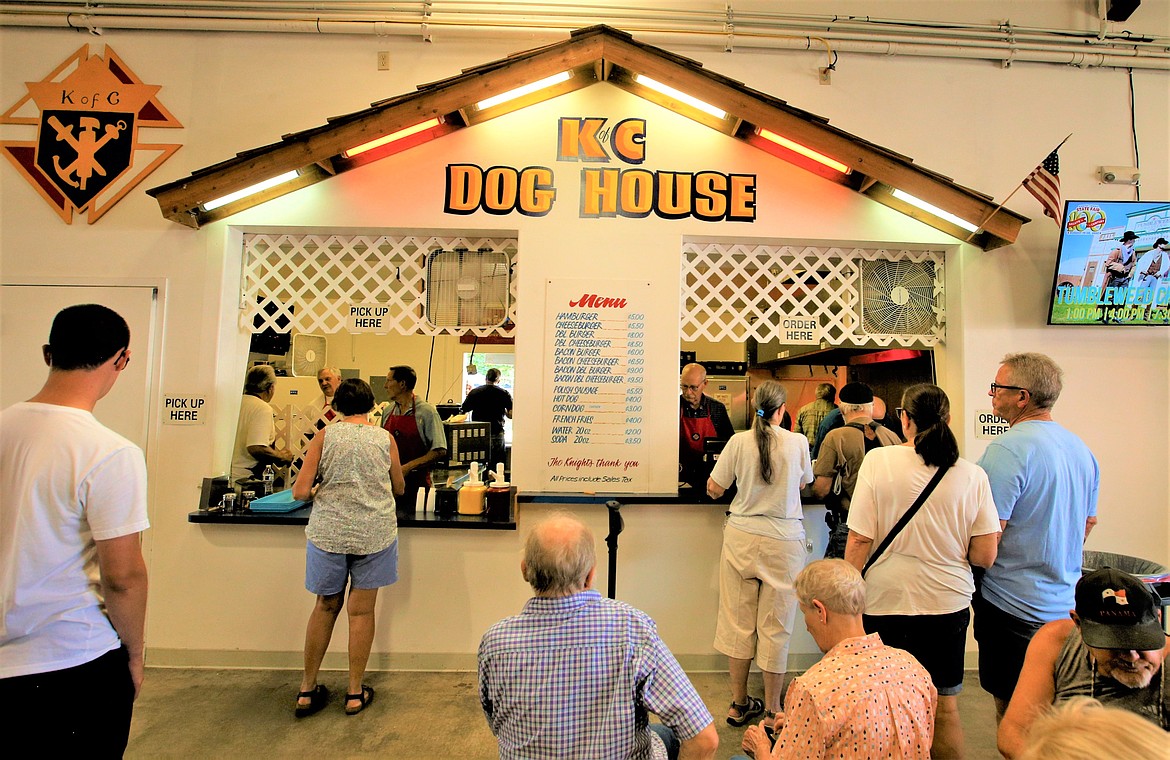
<point>498,498</point>
<point>471,495</point>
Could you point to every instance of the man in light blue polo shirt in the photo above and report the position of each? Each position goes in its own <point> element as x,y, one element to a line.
<point>1044,482</point>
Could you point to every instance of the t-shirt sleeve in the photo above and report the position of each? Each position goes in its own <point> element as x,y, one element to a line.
<point>261,428</point>
<point>829,458</point>
<point>863,505</point>
<point>1005,472</point>
<point>806,468</point>
<point>114,494</point>
<point>431,428</point>
<point>986,517</point>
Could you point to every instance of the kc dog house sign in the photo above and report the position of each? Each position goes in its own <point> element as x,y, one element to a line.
<point>86,155</point>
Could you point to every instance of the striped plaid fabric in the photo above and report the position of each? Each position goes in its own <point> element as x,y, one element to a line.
<point>577,676</point>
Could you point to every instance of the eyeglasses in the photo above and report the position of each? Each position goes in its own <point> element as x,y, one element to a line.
<point>997,386</point>
<point>125,354</point>
<point>898,411</point>
<point>682,387</point>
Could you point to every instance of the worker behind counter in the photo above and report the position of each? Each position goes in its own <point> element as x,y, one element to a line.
<point>700,418</point>
<point>490,403</point>
<point>256,429</point>
<point>417,429</point>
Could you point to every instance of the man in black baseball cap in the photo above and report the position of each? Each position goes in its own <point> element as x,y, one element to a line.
<point>1112,649</point>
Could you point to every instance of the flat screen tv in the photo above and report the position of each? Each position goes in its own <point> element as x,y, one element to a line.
<point>1113,264</point>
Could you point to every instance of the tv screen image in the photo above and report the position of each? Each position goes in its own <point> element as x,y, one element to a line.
<point>1113,264</point>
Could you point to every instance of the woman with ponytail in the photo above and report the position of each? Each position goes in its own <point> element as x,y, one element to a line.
<point>918,590</point>
<point>763,550</point>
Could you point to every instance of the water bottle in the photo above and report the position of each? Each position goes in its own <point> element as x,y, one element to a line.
<point>269,478</point>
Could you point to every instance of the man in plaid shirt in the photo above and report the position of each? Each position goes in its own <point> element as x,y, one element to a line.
<point>575,675</point>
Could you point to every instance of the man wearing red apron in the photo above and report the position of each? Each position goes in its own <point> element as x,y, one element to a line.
<point>700,417</point>
<point>417,430</point>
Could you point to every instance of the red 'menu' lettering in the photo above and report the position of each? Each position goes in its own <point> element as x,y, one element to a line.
<point>594,301</point>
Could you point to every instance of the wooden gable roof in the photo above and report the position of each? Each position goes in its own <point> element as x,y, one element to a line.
<point>592,55</point>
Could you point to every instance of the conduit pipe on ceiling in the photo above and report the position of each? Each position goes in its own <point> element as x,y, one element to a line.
<point>1001,44</point>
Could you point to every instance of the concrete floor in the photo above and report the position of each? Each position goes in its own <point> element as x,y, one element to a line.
<point>248,713</point>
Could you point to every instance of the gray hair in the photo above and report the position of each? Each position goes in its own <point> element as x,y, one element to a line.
<point>835,583</point>
<point>259,379</point>
<point>866,408</point>
<point>558,555</point>
<point>1039,374</point>
<point>1081,728</point>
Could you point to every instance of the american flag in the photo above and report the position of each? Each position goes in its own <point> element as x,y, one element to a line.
<point>1044,184</point>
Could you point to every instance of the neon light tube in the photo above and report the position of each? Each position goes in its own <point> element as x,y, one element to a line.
<point>527,89</point>
<point>795,147</point>
<point>905,196</point>
<point>392,137</point>
<point>669,91</point>
<point>257,188</point>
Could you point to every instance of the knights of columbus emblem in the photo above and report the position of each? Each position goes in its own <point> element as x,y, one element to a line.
<point>86,155</point>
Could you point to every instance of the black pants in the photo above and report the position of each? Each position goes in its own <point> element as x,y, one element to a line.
<point>83,711</point>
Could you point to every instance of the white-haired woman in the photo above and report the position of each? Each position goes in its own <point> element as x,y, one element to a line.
<point>763,550</point>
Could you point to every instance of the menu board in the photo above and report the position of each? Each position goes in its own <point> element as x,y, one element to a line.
<point>593,419</point>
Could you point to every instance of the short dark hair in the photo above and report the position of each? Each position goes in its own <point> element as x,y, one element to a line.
<point>493,375</point>
<point>405,375</point>
<point>353,396</point>
<point>827,391</point>
<point>86,336</point>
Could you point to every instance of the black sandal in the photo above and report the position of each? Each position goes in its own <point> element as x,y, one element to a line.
<point>318,697</point>
<point>753,708</point>
<point>365,698</point>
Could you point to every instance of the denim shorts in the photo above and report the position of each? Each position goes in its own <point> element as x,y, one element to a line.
<point>326,573</point>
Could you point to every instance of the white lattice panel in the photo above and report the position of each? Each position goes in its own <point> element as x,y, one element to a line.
<point>305,283</point>
<point>741,291</point>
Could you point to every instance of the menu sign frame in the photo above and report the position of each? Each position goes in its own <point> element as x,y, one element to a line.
<point>596,385</point>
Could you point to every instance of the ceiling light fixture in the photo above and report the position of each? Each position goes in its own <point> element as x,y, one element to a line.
<point>796,147</point>
<point>669,91</point>
<point>257,188</point>
<point>392,137</point>
<point>527,89</point>
<point>902,195</point>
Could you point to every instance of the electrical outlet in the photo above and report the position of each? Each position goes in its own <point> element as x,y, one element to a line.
<point>826,75</point>
<point>383,60</point>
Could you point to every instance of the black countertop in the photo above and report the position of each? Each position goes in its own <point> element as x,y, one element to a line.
<point>300,516</point>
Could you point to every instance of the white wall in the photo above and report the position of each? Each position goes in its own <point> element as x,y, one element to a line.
<point>230,595</point>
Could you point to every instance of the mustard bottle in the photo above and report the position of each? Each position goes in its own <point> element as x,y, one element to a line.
<point>471,495</point>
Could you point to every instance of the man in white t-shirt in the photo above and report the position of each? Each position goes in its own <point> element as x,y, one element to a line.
<point>73,584</point>
<point>256,427</point>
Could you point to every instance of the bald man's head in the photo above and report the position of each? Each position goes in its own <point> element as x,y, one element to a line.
<point>559,556</point>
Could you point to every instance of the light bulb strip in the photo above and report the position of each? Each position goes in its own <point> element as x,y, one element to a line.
<point>796,147</point>
<point>902,195</point>
<point>671,92</point>
<point>527,89</point>
<point>259,187</point>
<point>392,137</point>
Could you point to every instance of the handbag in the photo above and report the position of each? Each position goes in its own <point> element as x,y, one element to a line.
<point>917,505</point>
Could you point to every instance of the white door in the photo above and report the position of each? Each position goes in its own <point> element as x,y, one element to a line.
<point>26,314</point>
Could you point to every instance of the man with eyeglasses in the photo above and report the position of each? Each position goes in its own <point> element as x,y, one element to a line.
<point>700,418</point>
<point>73,584</point>
<point>1044,483</point>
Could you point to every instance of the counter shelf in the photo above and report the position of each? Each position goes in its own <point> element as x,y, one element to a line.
<point>300,516</point>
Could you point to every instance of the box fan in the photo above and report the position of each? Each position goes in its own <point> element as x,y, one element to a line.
<point>468,288</point>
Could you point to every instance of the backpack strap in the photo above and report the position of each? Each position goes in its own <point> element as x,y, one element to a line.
<point>917,505</point>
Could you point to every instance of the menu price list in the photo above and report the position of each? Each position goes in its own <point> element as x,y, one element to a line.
<point>598,377</point>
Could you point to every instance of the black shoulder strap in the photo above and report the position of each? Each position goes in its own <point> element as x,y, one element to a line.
<point>917,505</point>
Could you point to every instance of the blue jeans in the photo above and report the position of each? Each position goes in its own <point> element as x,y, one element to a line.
<point>668,737</point>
